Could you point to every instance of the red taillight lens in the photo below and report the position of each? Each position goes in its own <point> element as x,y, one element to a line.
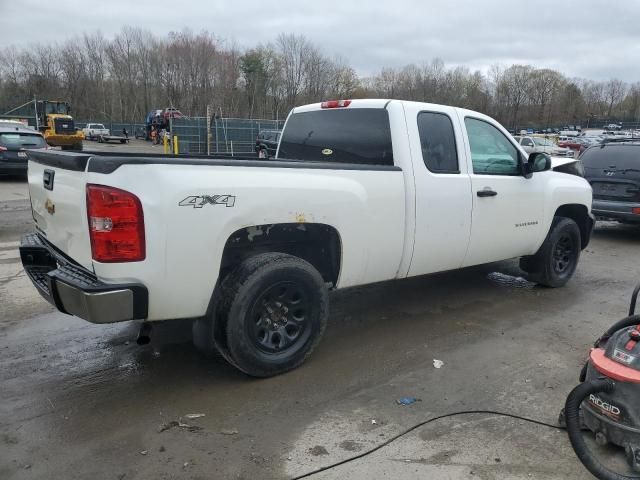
<point>335,104</point>
<point>636,210</point>
<point>3,149</point>
<point>116,225</point>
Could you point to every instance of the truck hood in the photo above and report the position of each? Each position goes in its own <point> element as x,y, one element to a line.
<point>558,161</point>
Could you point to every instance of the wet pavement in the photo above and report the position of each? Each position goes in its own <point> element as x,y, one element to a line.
<point>84,401</point>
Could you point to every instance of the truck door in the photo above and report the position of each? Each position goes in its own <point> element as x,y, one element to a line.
<point>442,190</point>
<point>508,208</point>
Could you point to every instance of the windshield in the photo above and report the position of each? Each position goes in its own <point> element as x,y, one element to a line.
<point>22,140</point>
<point>98,126</point>
<point>543,142</point>
<point>620,157</point>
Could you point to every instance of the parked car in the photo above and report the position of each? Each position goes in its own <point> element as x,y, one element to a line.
<point>613,126</point>
<point>267,143</point>
<point>613,170</point>
<point>93,131</point>
<point>543,145</point>
<point>15,141</point>
<point>13,123</point>
<point>361,191</point>
<point>573,143</point>
<point>140,133</point>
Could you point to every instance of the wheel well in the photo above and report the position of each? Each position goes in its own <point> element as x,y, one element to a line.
<point>579,214</point>
<point>316,243</point>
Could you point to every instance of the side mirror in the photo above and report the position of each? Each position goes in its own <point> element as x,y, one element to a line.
<point>537,162</point>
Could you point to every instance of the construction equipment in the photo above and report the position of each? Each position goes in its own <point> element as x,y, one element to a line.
<point>52,118</point>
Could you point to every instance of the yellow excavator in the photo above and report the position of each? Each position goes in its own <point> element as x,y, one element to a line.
<point>57,126</point>
<point>53,120</point>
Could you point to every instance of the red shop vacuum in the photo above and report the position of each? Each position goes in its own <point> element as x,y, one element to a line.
<point>607,401</point>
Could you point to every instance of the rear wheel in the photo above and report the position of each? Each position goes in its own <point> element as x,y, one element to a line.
<point>274,307</point>
<point>555,262</point>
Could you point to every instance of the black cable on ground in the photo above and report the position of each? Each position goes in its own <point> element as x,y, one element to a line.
<point>422,424</point>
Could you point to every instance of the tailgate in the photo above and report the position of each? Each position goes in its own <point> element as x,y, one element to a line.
<point>57,183</point>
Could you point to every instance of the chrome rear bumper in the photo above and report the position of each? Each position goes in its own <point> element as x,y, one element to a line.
<point>74,290</point>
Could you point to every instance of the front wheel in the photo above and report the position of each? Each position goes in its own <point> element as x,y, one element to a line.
<point>555,262</point>
<point>275,307</point>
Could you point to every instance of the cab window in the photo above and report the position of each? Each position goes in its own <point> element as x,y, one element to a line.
<point>491,152</point>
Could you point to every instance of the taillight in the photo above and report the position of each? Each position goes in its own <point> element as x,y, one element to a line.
<point>635,210</point>
<point>3,149</point>
<point>335,104</point>
<point>116,225</point>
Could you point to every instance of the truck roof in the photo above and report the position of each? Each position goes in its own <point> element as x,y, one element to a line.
<point>383,102</point>
<point>5,128</point>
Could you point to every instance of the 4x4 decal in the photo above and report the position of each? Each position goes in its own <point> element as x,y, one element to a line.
<point>199,201</point>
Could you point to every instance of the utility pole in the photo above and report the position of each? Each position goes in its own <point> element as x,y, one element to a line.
<point>35,110</point>
<point>208,129</point>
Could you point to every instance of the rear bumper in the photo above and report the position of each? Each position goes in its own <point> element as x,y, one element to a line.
<point>74,290</point>
<point>63,140</point>
<point>612,210</point>
<point>8,166</point>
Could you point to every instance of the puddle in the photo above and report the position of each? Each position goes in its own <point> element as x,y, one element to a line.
<point>510,281</point>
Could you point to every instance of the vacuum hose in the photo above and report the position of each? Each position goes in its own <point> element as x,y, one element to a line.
<point>572,417</point>
<point>629,321</point>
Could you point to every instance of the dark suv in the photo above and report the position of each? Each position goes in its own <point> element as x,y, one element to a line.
<point>14,140</point>
<point>267,143</point>
<point>613,170</point>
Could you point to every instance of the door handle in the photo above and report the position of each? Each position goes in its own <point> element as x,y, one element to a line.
<point>487,193</point>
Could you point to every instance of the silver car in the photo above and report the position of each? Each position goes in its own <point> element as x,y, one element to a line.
<point>543,145</point>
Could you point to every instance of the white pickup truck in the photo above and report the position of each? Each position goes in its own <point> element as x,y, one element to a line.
<point>94,131</point>
<point>360,191</point>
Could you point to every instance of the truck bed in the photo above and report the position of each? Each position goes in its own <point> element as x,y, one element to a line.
<point>108,162</point>
<point>194,206</point>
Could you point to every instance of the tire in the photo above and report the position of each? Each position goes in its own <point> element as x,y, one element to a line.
<point>274,307</point>
<point>555,262</point>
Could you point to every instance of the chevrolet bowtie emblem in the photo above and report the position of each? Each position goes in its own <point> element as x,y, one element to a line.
<point>51,208</point>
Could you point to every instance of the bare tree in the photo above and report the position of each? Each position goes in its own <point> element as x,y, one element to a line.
<point>614,92</point>
<point>122,78</point>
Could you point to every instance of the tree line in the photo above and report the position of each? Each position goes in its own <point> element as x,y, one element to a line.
<point>123,78</point>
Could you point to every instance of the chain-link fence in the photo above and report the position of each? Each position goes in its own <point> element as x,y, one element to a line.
<point>234,136</point>
<point>231,136</point>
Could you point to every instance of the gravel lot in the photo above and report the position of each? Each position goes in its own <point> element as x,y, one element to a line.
<point>84,401</point>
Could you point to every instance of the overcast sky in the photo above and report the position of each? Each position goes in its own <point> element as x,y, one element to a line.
<point>588,38</point>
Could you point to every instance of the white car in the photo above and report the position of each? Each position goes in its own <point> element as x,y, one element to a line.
<point>359,192</point>
<point>544,145</point>
<point>94,131</point>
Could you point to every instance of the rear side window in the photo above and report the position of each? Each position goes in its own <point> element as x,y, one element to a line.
<point>357,135</point>
<point>618,156</point>
<point>22,140</point>
<point>438,142</point>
